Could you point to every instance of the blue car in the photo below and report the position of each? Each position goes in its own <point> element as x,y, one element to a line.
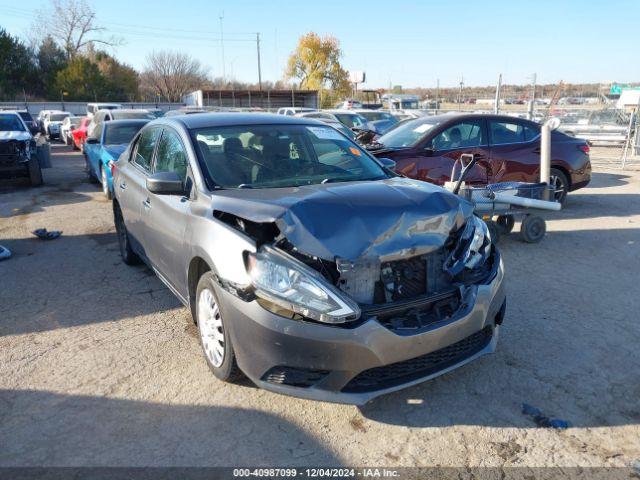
<point>105,146</point>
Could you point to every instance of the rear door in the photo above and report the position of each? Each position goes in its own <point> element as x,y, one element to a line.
<point>467,136</point>
<point>166,216</point>
<point>515,150</point>
<point>132,187</point>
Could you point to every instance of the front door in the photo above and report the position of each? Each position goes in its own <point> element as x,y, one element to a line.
<point>166,216</point>
<point>446,147</point>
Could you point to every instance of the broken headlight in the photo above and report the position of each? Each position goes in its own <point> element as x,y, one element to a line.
<point>472,250</point>
<point>292,285</point>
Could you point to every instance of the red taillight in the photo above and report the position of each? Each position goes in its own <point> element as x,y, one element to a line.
<point>585,149</point>
<point>112,167</point>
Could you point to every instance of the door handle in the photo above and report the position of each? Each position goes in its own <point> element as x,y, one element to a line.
<point>123,186</point>
<point>146,203</point>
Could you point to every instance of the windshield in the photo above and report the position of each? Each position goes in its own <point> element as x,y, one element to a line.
<point>26,116</point>
<point>270,156</point>
<point>407,134</point>
<point>351,120</point>
<point>119,115</point>
<point>58,117</point>
<point>10,123</point>
<point>120,134</point>
<point>374,116</point>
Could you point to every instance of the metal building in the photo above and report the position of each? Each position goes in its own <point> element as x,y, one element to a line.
<point>266,99</point>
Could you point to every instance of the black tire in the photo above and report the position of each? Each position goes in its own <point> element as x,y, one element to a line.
<point>35,172</point>
<point>73,145</point>
<point>505,223</point>
<point>126,252</point>
<point>560,183</point>
<point>105,185</point>
<point>228,370</point>
<point>494,231</point>
<point>533,229</point>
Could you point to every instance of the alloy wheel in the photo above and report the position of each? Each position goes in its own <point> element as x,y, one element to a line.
<point>211,328</point>
<point>558,187</point>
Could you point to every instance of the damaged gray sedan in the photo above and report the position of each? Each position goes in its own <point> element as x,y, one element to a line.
<point>309,266</point>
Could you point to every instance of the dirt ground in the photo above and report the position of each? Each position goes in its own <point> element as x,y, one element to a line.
<point>100,365</point>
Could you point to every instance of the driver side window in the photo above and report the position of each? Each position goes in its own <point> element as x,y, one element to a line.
<point>171,155</point>
<point>467,134</point>
<point>145,147</point>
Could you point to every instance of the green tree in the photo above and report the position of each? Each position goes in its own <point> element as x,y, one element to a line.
<point>50,59</point>
<point>120,80</point>
<point>81,79</point>
<point>17,70</point>
<point>316,64</point>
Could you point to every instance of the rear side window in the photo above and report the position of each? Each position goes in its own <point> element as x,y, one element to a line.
<point>145,147</point>
<point>171,156</point>
<point>511,132</point>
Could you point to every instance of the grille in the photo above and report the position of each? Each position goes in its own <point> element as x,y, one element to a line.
<point>402,372</point>
<point>9,148</point>
<point>294,377</point>
<point>413,319</point>
<point>405,278</point>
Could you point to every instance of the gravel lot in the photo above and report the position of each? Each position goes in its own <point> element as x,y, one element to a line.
<point>100,364</point>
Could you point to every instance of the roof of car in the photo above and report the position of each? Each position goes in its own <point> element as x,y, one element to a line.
<point>127,121</point>
<point>203,120</point>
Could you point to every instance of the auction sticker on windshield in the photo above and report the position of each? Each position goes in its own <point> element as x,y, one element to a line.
<point>326,133</point>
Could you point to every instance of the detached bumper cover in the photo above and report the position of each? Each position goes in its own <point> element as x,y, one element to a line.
<point>355,365</point>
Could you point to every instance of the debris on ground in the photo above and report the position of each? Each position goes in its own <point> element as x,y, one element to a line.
<point>43,234</point>
<point>4,253</point>
<point>542,420</point>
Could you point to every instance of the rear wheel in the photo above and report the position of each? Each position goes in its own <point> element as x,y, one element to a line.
<point>533,229</point>
<point>558,180</point>
<point>126,252</point>
<point>494,231</point>
<point>505,223</point>
<point>214,336</point>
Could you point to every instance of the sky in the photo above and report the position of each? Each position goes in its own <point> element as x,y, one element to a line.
<point>408,43</point>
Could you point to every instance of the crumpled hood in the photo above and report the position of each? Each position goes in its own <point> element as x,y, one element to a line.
<point>20,136</point>
<point>354,220</point>
<point>115,150</point>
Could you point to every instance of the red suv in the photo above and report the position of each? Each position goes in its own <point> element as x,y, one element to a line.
<point>506,149</point>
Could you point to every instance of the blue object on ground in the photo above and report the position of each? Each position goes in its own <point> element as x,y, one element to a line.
<point>542,420</point>
<point>4,253</point>
<point>43,234</point>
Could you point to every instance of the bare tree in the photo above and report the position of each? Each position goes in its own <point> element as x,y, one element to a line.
<point>172,74</point>
<point>72,24</point>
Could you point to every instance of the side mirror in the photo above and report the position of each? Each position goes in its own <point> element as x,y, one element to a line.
<point>429,151</point>
<point>34,129</point>
<point>388,163</point>
<point>91,140</point>
<point>165,183</point>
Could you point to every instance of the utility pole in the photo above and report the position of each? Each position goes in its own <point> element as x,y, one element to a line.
<point>224,75</point>
<point>437,94</point>
<point>259,68</point>
<point>496,107</point>
<point>460,92</point>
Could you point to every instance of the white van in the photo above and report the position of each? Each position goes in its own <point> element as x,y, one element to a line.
<point>94,107</point>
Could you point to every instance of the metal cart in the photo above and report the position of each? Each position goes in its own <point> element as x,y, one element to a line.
<point>505,202</point>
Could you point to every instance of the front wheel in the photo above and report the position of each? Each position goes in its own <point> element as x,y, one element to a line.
<point>214,336</point>
<point>35,172</point>
<point>105,183</point>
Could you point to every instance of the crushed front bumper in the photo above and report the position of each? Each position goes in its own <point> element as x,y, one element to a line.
<point>355,365</point>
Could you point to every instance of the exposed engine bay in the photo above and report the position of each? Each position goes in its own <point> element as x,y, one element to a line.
<point>406,269</point>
